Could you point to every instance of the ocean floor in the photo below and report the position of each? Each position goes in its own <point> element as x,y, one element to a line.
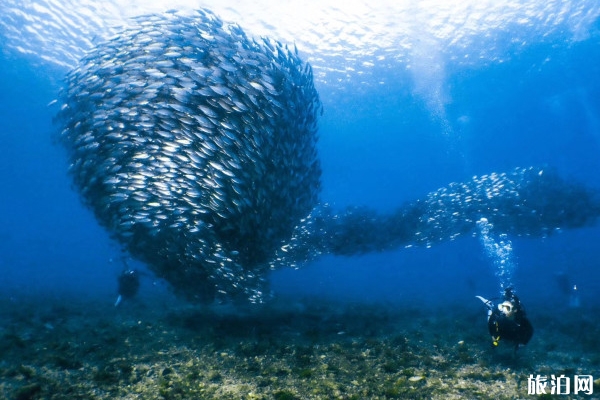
<point>290,349</point>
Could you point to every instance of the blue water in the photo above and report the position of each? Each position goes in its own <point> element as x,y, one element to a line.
<point>381,144</point>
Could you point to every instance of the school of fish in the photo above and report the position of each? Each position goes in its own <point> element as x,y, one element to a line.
<point>195,146</point>
<point>528,201</point>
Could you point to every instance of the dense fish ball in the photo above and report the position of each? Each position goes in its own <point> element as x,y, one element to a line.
<point>196,147</point>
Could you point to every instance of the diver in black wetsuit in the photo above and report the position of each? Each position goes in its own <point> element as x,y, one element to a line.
<point>508,321</point>
<point>129,284</point>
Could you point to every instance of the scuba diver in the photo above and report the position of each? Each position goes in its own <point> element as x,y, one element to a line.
<point>508,321</point>
<point>129,284</point>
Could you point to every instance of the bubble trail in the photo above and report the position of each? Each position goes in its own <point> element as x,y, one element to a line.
<point>499,249</point>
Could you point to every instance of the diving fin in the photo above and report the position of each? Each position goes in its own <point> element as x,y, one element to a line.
<point>487,302</point>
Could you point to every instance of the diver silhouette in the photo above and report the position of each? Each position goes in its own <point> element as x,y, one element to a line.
<point>129,284</point>
<point>508,321</point>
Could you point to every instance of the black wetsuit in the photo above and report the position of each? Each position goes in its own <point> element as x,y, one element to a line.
<point>129,283</point>
<point>515,328</point>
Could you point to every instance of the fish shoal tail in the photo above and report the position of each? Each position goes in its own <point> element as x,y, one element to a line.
<point>524,202</point>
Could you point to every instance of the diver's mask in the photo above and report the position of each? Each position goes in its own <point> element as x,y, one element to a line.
<point>507,308</point>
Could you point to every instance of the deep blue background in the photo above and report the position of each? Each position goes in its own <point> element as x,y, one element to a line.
<point>379,148</point>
